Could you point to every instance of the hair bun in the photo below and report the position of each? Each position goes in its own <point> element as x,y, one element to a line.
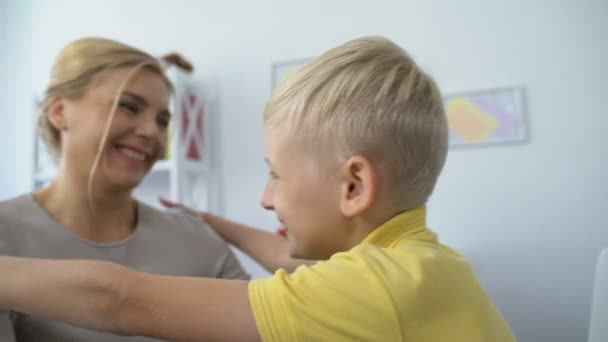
<point>177,60</point>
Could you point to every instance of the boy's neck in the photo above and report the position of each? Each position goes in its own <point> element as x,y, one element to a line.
<point>362,226</point>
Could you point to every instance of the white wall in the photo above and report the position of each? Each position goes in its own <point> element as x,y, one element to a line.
<point>531,217</point>
<point>16,102</point>
<point>3,46</point>
<point>3,16</point>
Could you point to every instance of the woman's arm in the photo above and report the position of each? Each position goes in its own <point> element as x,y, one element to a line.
<point>268,249</point>
<point>113,298</point>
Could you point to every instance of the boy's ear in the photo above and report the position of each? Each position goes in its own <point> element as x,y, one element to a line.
<point>359,186</point>
<point>56,113</point>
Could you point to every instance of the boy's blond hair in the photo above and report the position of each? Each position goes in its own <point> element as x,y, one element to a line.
<point>368,97</point>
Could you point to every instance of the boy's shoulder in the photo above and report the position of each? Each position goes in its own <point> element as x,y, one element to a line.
<point>329,296</point>
<point>371,283</point>
<point>381,272</point>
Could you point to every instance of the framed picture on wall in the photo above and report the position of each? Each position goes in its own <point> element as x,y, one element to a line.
<point>493,116</point>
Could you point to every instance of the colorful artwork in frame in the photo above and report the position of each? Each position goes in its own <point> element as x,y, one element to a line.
<point>486,117</point>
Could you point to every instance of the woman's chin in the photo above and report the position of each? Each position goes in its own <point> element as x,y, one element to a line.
<point>125,182</point>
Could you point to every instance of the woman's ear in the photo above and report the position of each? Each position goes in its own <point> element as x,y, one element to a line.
<point>359,186</point>
<point>56,113</point>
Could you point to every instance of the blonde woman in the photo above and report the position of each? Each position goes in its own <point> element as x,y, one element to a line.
<point>104,117</point>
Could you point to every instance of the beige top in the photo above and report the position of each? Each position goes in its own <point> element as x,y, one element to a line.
<point>167,243</point>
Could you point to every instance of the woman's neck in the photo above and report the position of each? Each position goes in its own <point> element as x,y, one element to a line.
<point>106,216</point>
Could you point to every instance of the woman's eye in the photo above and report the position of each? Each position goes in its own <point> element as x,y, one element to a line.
<point>129,107</point>
<point>273,175</point>
<point>163,121</point>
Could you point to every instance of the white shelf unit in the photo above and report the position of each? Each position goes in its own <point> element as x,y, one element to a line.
<point>184,177</point>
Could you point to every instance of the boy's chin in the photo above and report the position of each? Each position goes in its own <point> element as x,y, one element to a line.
<point>297,253</point>
<point>301,253</point>
<point>294,253</point>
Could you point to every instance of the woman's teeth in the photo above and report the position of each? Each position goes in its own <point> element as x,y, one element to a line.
<point>132,153</point>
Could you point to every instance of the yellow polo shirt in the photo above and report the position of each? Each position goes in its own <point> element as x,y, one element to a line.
<point>399,284</point>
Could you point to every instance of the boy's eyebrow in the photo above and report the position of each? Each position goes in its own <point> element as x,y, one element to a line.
<point>143,102</point>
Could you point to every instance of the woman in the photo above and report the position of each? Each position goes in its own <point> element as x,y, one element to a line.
<point>104,117</point>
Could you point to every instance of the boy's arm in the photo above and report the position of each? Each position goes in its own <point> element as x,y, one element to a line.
<point>268,249</point>
<point>109,297</point>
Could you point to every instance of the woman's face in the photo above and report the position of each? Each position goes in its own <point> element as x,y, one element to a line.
<point>138,133</point>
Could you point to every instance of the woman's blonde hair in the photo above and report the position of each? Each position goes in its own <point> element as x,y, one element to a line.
<point>75,69</point>
<point>368,97</point>
<point>80,62</point>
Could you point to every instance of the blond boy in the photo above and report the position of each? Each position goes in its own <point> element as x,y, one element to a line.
<point>355,142</point>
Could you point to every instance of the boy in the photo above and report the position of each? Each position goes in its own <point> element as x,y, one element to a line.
<point>355,142</point>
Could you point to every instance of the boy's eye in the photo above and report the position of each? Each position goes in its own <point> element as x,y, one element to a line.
<point>129,107</point>
<point>273,175</point>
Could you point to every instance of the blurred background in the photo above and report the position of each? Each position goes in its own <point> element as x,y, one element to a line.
<point>531,216</point>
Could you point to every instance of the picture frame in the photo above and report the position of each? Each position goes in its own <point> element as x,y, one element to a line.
<point>486,117</point>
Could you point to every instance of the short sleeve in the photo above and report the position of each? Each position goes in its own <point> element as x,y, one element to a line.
<point>336,300</point>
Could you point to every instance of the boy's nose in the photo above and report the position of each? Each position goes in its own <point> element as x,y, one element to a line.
<point>265,204</point>
<point>265,201</point>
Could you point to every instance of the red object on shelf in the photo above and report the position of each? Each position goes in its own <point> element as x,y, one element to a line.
<point>192,110</point>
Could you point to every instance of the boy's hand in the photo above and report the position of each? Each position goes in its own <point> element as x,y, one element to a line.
<point>282,232</point>
<point>175,205</point>
<point>268,249</point>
